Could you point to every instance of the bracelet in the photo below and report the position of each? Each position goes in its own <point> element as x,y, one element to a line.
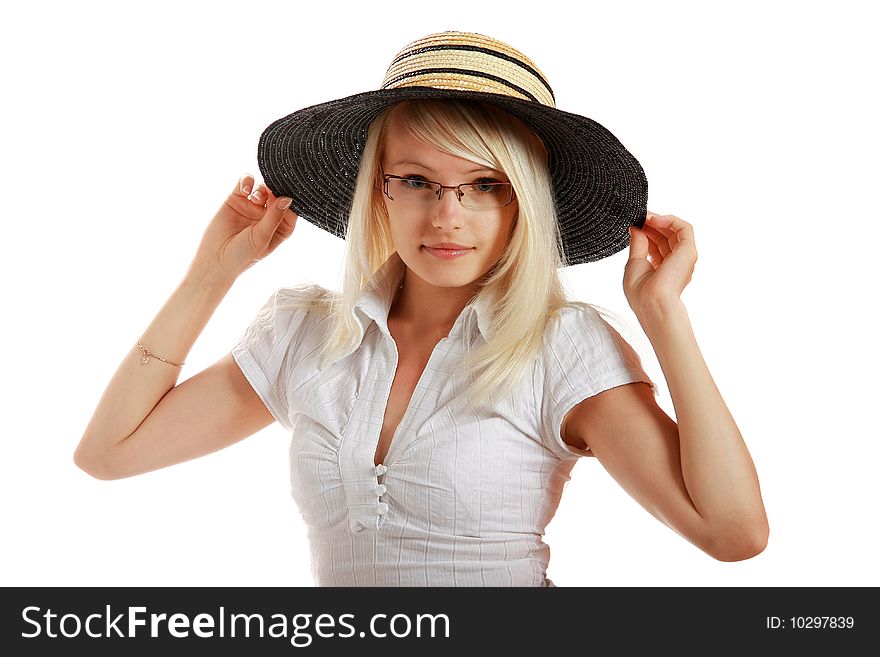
<point>148,354</point>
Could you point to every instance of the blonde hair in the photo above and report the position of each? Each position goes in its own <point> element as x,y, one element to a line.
<point>524,285</point>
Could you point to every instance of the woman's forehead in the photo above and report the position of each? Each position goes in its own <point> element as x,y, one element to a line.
<point>402,148</point>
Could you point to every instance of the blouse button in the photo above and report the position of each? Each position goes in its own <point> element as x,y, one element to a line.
<point>383,508</point>
<point>381,469</point>
<point>380,489</point>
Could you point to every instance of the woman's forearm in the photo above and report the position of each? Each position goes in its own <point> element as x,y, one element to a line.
<point>136,389</point>
<point>716,466</point>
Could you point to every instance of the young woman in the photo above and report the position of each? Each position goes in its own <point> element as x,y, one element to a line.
<point>438,403</point>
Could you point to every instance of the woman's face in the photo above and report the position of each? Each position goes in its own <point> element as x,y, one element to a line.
<point>485,232</point>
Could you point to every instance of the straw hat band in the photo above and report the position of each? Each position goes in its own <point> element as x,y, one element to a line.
<point>481,64</point>
<point>465,41</point>
<point>451,78</point>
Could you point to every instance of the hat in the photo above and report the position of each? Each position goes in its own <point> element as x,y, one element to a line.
<point>599,188</point>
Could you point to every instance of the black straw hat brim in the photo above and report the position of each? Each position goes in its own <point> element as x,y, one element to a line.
<point>313,156</point>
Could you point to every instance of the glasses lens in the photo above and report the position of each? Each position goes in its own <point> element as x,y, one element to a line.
<point>477,196</point>
<point>413,192</point>
<point>484,196</point>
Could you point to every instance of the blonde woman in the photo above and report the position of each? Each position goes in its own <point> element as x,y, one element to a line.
<point>438,403</point>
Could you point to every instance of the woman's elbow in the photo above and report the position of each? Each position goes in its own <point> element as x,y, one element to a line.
<point>92,466</point>
<point>745,545</point>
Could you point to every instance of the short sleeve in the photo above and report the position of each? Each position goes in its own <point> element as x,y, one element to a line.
<point>583,356</point>
<point>271,349</point>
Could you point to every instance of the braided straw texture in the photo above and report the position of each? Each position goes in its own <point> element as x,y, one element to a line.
<point>470,62</point>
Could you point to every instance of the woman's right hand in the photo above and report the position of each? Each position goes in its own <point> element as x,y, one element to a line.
<point>247,227</point>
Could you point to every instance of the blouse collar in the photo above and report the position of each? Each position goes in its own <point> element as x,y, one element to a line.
<point>375,301</point>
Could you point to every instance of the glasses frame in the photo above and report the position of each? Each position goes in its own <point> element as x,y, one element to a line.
<point>458,191</point>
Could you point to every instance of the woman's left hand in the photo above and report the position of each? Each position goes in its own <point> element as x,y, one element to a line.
<point>661,261</point>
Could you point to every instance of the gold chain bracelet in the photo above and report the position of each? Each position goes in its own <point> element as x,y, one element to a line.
<point>149,354</point>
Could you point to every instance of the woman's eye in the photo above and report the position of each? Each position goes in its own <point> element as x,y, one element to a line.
<point>416,182</point>
<point>483,185</point>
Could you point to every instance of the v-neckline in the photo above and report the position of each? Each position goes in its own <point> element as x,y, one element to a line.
<point>389,443</point>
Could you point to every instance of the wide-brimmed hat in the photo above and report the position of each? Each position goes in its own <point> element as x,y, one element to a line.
<point>599,188</point>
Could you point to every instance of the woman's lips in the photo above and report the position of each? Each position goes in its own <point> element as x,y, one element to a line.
<point>447,254</point>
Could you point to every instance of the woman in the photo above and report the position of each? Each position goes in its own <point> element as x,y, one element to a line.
<point>438,404</point>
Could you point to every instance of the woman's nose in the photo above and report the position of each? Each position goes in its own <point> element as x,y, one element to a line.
<point>448,208</point>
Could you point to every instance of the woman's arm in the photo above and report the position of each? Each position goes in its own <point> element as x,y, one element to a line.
<point>696,476</point>
<point>136,389</point>
<point>715,462</point>
<point>247,227</point>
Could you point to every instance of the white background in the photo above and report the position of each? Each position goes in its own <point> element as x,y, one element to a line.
<point>125,126</point>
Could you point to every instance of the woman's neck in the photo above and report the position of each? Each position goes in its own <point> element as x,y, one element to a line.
<point>425,311</point>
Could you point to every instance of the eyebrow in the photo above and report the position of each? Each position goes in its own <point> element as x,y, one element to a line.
<point>418,164</point>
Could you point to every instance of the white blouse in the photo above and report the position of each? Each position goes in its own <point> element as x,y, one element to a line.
<point>461,499</point>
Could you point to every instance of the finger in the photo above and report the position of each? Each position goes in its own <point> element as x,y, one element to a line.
<point>651,221</point>
<point>283,231</point>
<point>288,223</point>
<point>259,196</point>
<point>659,240</point>
<point>288,216</point>
<point>266,227</point>
<point>669,222</point>
<point>664,237</point>
<point>638,244</point>
<point>654,256</point>
<point>684,237</point>
<point>245,185</point>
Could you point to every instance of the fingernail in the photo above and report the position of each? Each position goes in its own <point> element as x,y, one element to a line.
<point>283,203</point>
<point>246,188</point>
<point>256,195</point>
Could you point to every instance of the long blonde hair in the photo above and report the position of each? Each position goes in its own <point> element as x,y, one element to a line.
<point>524,285</point>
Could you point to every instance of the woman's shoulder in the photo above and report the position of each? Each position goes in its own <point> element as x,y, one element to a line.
<point>303,293</point>
<point>293,307</point>
<point>579,321</point>
<point>309,298</point>
<point>579,313</point>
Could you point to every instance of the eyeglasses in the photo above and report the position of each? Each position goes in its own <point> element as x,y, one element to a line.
<point>476,196</point>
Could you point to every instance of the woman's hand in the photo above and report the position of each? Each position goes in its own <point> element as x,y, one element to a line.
<point>661,261</point>
<point>247,227</point>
